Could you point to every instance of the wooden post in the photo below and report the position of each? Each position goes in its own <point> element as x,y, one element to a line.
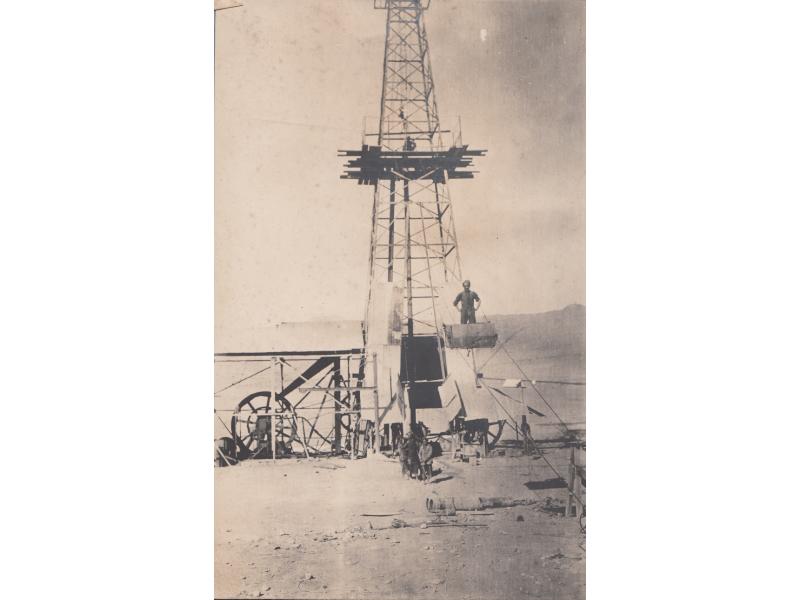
<point>274,404</point>
<point>354,425</point>
<point>376,443</point>
<point>576,486</point>
<point>574,493</point>
<point>235,436</point>
<point>409,287</point>
<point>570,483</point>
<point>337,396</point>
<point>303,424</point>
<point>222,455</point>
<point>390,277</point>
<point>303,438</point>
<point>407,418</point>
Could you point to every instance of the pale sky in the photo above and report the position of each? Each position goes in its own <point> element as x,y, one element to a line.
<point>294,79</point>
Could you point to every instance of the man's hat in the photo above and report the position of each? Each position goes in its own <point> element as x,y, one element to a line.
<point>466,282</point>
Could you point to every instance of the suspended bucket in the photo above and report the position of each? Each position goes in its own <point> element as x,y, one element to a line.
<point>471,335</point>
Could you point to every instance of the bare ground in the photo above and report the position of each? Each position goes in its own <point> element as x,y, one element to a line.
<point>295,529</point>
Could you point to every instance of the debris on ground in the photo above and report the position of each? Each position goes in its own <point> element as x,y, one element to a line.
<point>472,503</point>
<point>381,511</point>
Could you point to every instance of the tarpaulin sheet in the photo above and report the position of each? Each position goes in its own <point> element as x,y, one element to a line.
<point>384,324</point>
<point>391,403</point>
<point>318,336</point>
<point>477,401</point>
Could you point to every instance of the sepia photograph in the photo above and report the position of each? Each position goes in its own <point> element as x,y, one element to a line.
<point>399,353</point>
<point>323,299</point>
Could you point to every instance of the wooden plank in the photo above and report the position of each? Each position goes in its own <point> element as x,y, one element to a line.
<point>317,353</point>
<point>225,4</point>
<point>225,458</point>
<point>274,401</point>
<point>376,442</point>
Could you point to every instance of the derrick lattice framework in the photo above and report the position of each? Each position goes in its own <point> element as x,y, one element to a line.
<point>409,164</point>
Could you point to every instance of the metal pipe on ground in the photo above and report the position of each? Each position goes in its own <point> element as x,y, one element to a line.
<point>451,505</point>
<point>423,524</point>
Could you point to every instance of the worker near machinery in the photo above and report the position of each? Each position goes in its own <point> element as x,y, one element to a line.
<point>403,450</point>
<point>396,433</point>
<point>409,455</point>
<point>419,430</point>
<point>467,298</point>
<point>525,429</point>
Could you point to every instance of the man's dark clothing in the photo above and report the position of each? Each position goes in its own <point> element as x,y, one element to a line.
<point>467,299</point>
<point>526,436</point>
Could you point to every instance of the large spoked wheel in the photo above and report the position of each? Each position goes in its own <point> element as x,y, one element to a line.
<point>244,424</point>
<point>494,433</point>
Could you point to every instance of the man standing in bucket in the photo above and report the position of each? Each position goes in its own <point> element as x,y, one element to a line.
<point>467,298</point>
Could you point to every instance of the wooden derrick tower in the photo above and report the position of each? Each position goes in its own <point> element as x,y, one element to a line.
<point>340,397</point>
<point>409,160</point>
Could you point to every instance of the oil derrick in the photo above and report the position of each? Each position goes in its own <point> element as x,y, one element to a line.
<point>409,160</point>
<point>335,394</point>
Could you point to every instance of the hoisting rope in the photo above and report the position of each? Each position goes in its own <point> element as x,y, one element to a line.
<point>538,450</point>
<point>516,364</point>
<point>530,410</point>
<point>223,423</point>
<point>505,341</point>
<point>535,381</point>
<point>241,380</point>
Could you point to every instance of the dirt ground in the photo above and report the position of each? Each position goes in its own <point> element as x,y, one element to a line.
<point>297,529</point>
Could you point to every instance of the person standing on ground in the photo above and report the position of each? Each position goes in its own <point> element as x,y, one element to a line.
<point>526,434</point>
<point>468,300</point>
<point>403,447</point>
<point>412,456</point>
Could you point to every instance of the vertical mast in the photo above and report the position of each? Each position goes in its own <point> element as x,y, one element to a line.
<point>413,242</point>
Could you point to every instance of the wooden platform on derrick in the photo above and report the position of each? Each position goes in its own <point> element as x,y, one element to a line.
<point>371,164</point>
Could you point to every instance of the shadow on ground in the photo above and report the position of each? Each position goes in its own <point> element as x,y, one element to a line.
<point>548,484</point>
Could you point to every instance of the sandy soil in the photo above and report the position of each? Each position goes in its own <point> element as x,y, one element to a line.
<point>295,529</point>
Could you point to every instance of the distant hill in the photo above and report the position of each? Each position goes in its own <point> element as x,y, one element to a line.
<point>552,343</point>
<point>549,345</point>
<point>556,332</point>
